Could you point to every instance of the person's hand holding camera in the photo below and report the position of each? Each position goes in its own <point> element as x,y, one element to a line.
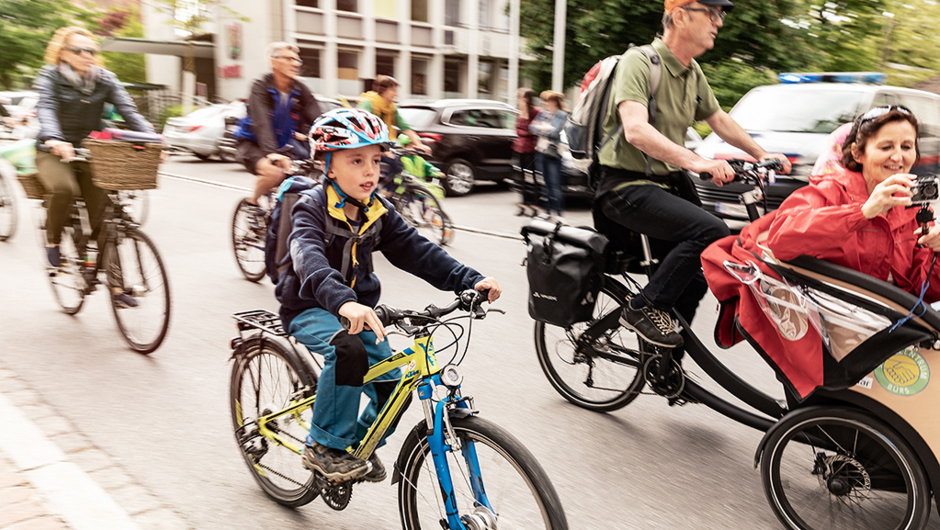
<point>893,191</point>
<point>931,240</point>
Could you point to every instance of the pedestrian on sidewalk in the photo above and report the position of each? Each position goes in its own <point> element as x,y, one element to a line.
<point>548,126</point>
<point>524,154</point>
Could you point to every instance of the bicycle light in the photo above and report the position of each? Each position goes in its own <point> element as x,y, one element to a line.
<point>451,376</point>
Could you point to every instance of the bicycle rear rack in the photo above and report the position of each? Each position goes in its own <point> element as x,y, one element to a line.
<point>260,319</point>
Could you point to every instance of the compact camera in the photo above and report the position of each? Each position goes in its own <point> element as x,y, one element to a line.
<point>926,189</point>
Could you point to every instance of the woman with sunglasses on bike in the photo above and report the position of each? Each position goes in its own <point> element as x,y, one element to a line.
<point>73,89</point>
<point>859,216</point>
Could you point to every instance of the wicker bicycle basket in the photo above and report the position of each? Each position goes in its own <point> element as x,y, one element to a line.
<point>32,186</point>
<point>124,165</point>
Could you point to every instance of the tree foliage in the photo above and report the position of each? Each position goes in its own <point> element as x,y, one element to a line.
<point>759,38</point>
<point>26,27</point>
<point>118,22</point>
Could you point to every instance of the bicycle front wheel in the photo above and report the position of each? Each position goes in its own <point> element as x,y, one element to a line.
<point>134,268</point>
<point>497,482</point>
<point>600,375</point>
<point>8,213</point>
<point>840,469</point>
<point>248,239</point>
<point>137,205</point>
<point>267,378</point>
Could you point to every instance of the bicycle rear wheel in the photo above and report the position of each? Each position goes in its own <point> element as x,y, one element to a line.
<point>497,482</point>
<point>8,210</point>
<point>835,468</point>
<point>267,378</point>
<point>133,265</point>
<point>421,209</point>
<point>248,240</point>
<point>601,376</point>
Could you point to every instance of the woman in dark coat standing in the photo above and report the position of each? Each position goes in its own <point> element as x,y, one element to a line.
<point>524,154</point>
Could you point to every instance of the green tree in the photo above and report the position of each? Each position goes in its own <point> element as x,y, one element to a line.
<point>129,67</point>
<point>26,27</point>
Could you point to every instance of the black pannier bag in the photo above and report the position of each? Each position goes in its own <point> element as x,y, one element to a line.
<point>565,267</point>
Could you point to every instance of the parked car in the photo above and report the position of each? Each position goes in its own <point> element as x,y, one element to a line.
<point>796,117</point>
<point>470,139</point>
<point>206,132</point>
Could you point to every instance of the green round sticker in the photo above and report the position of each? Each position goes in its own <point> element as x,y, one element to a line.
<point>904,374</point>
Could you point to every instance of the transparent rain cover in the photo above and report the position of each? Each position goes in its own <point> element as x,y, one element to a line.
<point>793,308</point>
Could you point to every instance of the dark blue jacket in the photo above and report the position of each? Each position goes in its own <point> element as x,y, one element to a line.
<point>271,124</point>
<point>66,114</point>
<point>331,266</point>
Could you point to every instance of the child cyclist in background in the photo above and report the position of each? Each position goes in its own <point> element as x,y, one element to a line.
<point>336,227</point>
<point>419,167</point>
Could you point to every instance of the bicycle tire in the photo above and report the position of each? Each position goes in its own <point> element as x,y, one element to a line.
<point>421,209</point>
<point>276,469</point>
<point>133,264</point>
<point>516,485</point>
<point>8,209</point>
<point>248,242</point>
<point>578,373</point>
<point>837,468</point>
<point>137,205</point>
<point>67,281</point>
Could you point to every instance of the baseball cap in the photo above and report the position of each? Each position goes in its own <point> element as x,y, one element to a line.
<point>726,5</point>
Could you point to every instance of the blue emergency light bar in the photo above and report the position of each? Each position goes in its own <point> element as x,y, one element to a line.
<point>875,78</point>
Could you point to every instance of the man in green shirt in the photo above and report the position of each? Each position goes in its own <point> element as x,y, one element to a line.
<point>660,201</point>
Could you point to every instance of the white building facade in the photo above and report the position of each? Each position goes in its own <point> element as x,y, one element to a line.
<point>434,48</point>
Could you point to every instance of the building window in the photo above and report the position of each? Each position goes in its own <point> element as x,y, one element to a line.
<point>485,78</point>
<point>502,19</point>
<point>347,72</point>
<point>311,59</point>
<point>419,11</point>
<point>347,5</point>
<point>419,76</point>
<point>307,3</point>
<point>452,76</point>
<point>452,13</point>
<point>384,65</point>
<point>484,15</point>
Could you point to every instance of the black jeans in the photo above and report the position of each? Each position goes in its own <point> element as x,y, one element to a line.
<point>678,230</point>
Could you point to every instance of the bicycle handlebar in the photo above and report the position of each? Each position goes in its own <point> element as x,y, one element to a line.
<point>469,300</point>
<point>406,151</point>
<point>745,171</point>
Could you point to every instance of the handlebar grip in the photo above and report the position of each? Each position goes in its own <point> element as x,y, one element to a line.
<point>343,321</point>
<point>705,175</point>
<point>387,315</point>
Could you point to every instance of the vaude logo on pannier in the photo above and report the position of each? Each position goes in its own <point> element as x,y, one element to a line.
<point>544,296</point>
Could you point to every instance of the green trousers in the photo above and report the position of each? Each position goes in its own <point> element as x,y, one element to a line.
<point>63,182</point>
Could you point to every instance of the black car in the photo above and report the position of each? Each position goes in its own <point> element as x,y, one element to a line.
<point>470,139</point>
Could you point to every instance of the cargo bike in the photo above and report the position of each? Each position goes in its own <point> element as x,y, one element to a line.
<point>853,446</point>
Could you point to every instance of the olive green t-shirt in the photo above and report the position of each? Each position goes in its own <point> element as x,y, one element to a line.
<point>682,99</point>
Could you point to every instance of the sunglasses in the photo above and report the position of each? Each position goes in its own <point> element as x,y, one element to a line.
<point>878,112</point>
<point>714,15</point>
<point>288,58</point>
<point>77,50</point>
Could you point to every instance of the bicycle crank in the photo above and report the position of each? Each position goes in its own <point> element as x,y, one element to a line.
<point>667,383</point>
<point>336,496</point>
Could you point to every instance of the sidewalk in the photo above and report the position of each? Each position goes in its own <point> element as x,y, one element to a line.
<point>53,478</point>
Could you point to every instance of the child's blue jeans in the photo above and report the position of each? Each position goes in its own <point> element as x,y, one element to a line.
<point>335,423</point>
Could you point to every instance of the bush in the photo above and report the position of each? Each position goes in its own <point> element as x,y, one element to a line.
<point>173,111</point>
<point>731,79</point>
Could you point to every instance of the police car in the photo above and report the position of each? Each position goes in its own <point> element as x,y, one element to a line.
<point>796,117</point>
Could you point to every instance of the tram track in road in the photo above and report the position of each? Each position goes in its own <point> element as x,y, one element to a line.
<point>223,185</point>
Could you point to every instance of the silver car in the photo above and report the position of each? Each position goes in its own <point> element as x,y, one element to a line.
<point>200,132</point>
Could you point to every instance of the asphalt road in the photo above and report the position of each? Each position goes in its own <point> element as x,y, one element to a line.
<point>165,417</point>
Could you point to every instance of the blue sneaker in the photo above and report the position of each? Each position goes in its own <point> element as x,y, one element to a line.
<point>55,259</point>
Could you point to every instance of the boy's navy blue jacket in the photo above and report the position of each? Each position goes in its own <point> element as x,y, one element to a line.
<point>332,266</point>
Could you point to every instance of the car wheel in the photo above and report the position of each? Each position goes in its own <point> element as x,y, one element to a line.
<point>459,177</point>
<point>201,156</point>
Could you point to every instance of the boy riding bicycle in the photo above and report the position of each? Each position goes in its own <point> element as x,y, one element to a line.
<point>336,226</point>
<point>416,166</point>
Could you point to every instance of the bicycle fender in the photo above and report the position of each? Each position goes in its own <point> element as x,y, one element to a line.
<point>414,437</point>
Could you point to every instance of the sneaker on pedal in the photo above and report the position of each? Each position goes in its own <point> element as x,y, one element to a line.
<point>256,218</point>
<point>334,464</point>
<point>55,258</point>
<point>124,300</point>
<point>377,473</point>
<point>653,325</point>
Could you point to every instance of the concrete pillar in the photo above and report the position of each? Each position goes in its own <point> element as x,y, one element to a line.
<point>558,54</point>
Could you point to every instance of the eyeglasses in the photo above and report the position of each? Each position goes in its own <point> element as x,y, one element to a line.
<point>878,112</point>
<point>297,60</point>
<point>715,15</point>
<point>77,50</point>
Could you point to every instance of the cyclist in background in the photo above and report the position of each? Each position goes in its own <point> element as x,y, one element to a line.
<point>281,110</point>
<point>336,226</point>
<point>381,102</point>
<point>72,92</point>
<point>417,166</point>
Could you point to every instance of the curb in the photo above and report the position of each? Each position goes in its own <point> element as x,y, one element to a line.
<point>53,477</point>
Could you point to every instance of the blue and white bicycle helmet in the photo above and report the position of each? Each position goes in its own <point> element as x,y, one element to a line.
<point>348,129</point>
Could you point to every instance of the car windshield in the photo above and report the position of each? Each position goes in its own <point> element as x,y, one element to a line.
<point>417,117</point>
<point>810,111</point>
